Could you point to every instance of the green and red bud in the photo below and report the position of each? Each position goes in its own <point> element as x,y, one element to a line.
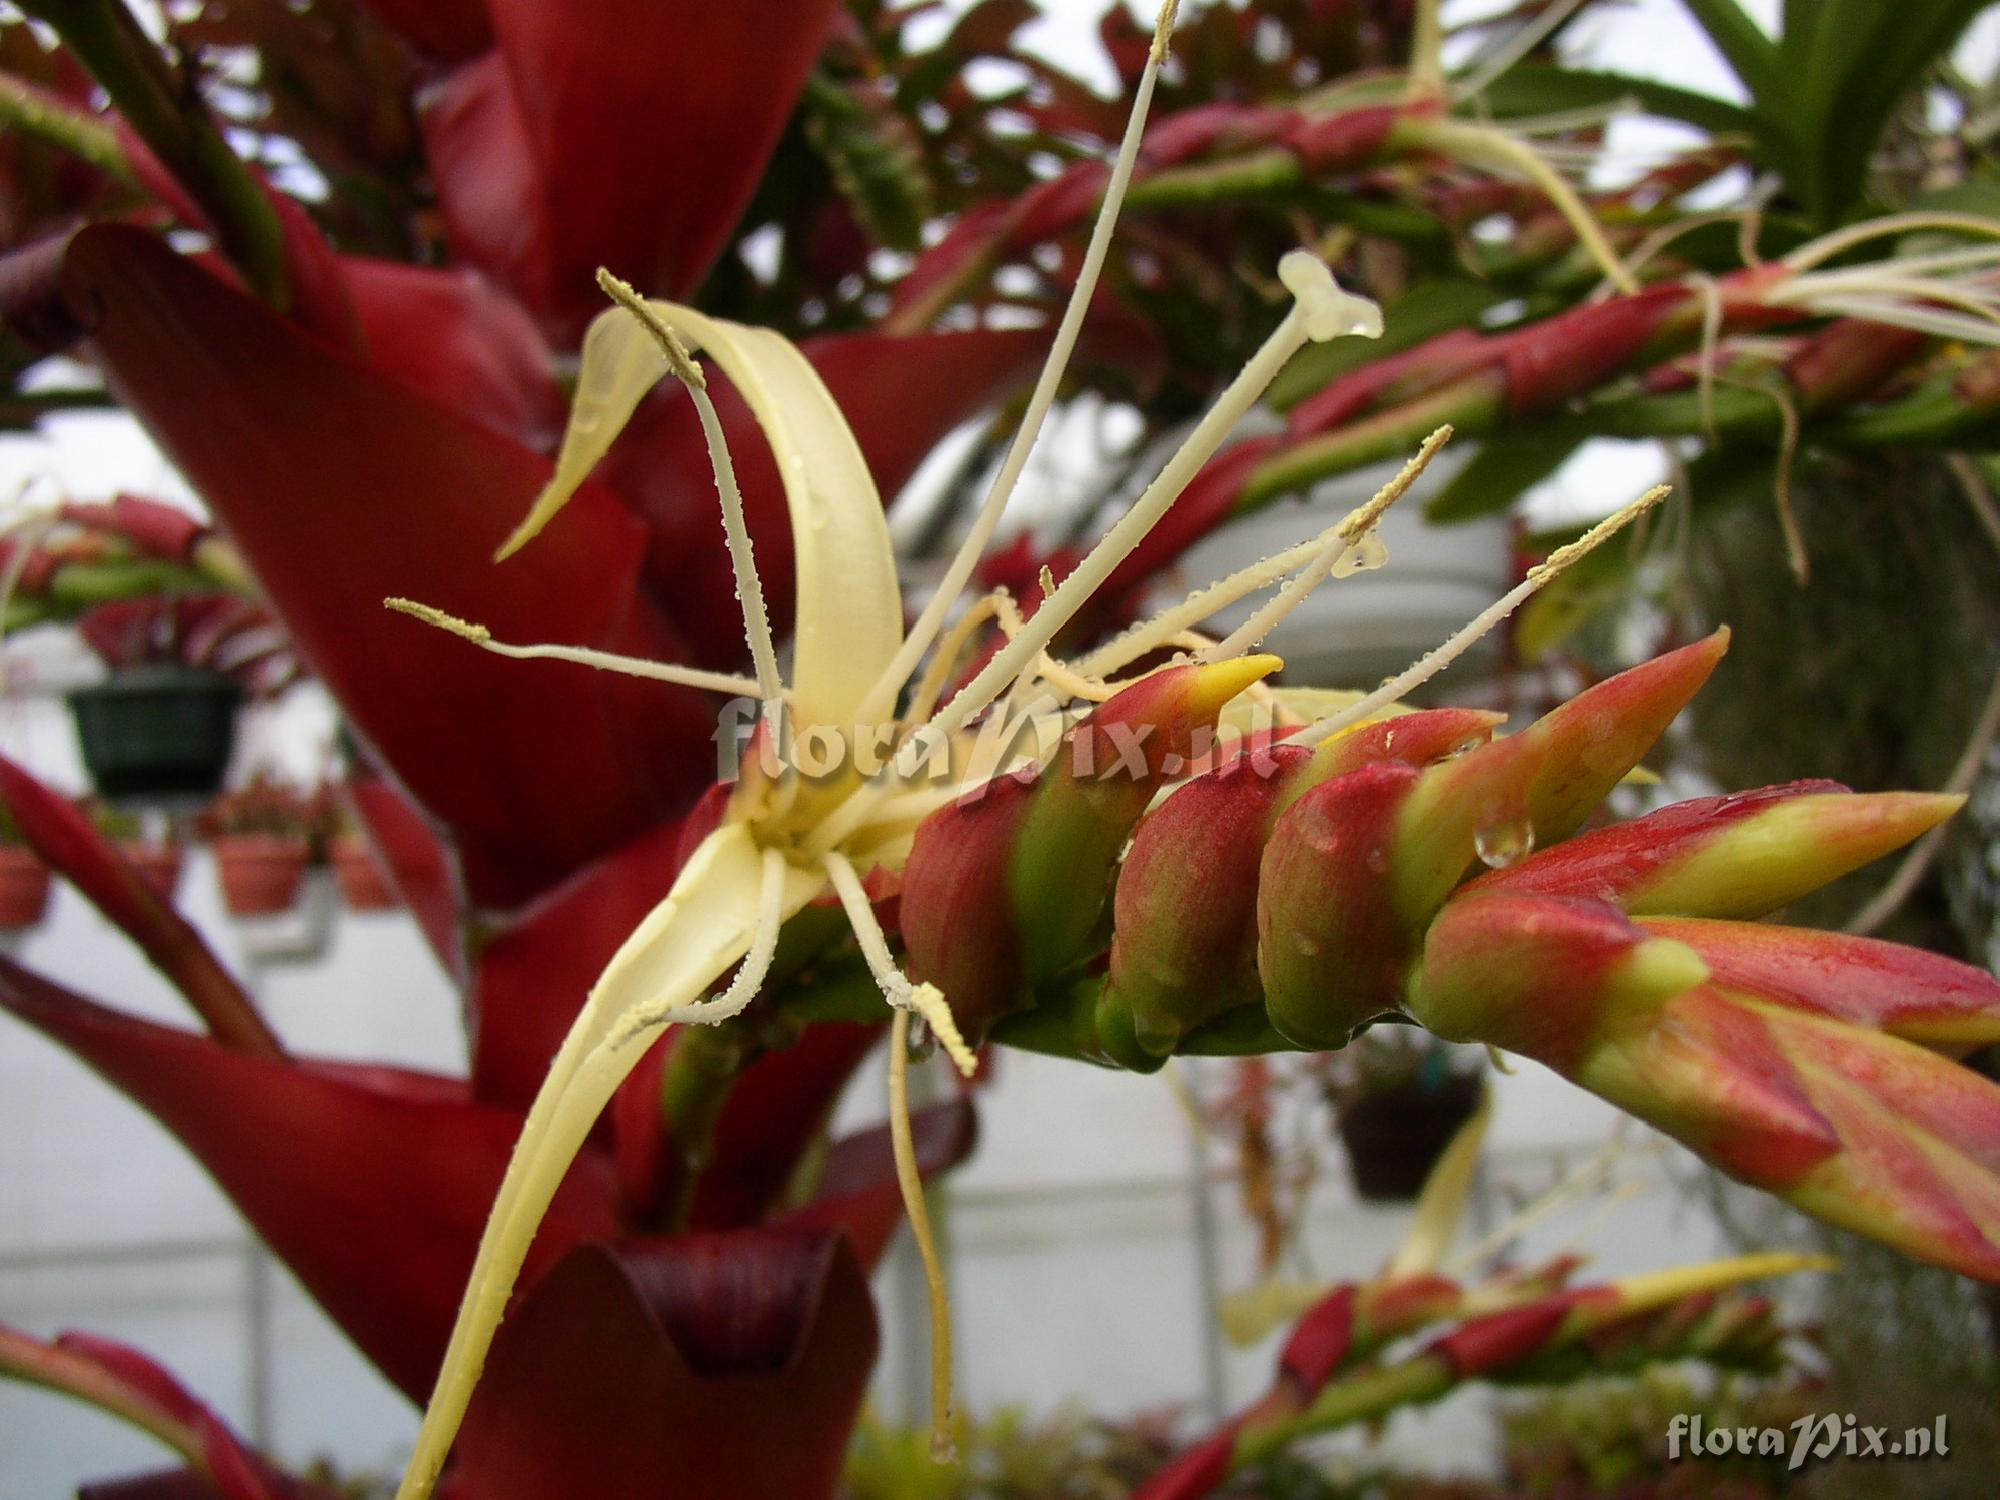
<point>1332,948</point>
<point>1544,976</point>
<point>1093,791</point>
<point>1744,855</point>
<point>1592,742</point>
<point>1863,1130</point>
<point>1767,1052</point>
<point>1921,997</point>
<point>1184,945</point>
<point>1008,885</point>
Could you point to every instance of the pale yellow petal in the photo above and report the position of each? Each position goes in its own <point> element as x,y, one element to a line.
<point>707,922</point>
<point>620,363</point>
<point>849,615</point>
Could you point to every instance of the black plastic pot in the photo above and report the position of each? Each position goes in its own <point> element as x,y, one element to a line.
<point>157,732</point>
<point>1396,1136</point>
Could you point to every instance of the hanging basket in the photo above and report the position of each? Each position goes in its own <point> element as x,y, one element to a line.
<point>1395,1136</point>
<point>261,872</point>
<point>363,885</point>
<point>157,732</point>
<point>24,888</point>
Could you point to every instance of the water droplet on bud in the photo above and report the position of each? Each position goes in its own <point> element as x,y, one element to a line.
<point>1505,844</point>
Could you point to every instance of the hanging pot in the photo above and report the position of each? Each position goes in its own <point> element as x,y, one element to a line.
<point>157,732</point>
<point>363,885</point>
<point>24,888</point>
<point>1394,1136</point>
<point>261,872</point>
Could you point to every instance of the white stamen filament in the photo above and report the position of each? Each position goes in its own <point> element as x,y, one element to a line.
<point>937,671</point>
<point>910,1180</point>
<point>1827,246</point>
<point>1322,311</point>
<point>931,619</point>
<point>1436,661</point>
<point>606,661</point>
<point>924,999</point>
<point>1347,536</point>
<point>927,1001</point>
<point>1814,289</point>
<point>1524,40</point>
<point>1642,254</point>
<point>1944,325</point>
<point>1185,614</point>
<point>735,531</point>
<point>750,974</point>
<point>1483,145</point>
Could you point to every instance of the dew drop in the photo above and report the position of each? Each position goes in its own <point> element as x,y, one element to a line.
<point>1504,845</point>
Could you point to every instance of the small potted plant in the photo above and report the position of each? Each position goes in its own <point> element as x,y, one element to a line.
<point>1399,1096</point>
<point>158,859</point>
<point>262,836</point>
<point>364,883</point>
<point>163,724</point>
<point>24,880</point>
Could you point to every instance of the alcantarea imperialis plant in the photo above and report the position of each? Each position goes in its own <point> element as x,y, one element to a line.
<point>1285,890</point>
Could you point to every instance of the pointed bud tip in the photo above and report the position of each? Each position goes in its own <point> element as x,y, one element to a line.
<point>1219,681</point>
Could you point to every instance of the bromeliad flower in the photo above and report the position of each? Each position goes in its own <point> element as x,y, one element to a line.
<point>863,744</point>
<point>1283,889</point>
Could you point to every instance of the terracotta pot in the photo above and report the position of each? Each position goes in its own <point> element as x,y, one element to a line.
<point>363,884</point>
<point>261,872</point>
<point>24,888</point>
<point>160,864</point>
<point>1396,1136</point>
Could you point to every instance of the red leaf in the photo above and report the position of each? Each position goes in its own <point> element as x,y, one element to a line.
<point>343,488</point>
<point>710,1367</point>
<point>629,134</point>
<point>858,1192</point>
<point>371,1183</point>
<point>772,1117</point>
<point>449,30</point>
<point>531,979</point>
<point>69,845</point>
<point>419,866</point>
<point>456,337</point>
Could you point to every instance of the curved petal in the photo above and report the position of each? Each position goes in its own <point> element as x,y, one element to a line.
<point>849,614</point>
<point>707,922</point>
<point>900,395</point>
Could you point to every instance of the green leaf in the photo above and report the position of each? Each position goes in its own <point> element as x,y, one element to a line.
<point>1506,465</point>
<point>1850,63</point>
<point>1543,88</point>
<point>1751,55</point>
